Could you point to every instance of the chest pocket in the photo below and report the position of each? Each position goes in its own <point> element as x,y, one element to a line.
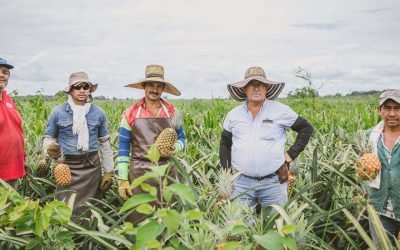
<point>270,131</point>
<point>63,124</point>
<point>65,127</point>
<point>93,126</point>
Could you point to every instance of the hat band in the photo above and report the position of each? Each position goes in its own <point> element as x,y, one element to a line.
<point>155,75</point>
<point>251,75</point>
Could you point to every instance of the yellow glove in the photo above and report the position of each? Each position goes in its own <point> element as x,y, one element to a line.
<point>54,151</point>
<point>106,182</point>
<point>124,189</point>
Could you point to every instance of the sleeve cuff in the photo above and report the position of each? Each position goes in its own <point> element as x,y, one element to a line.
<point>179,146</point>
<point>123,168</point>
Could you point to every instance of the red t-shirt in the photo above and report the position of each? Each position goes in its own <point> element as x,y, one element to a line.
<point>12,155</point>
<point>130,113</point>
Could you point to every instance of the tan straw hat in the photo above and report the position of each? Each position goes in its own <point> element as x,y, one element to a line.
<point>79,77</point>
<point>155,73</point>
<point>236,90</point>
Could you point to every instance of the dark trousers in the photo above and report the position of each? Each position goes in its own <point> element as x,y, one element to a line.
<point>391,226</point>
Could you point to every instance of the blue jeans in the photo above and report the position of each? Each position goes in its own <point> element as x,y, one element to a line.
<point>391,226</point>
<point>267,191</point>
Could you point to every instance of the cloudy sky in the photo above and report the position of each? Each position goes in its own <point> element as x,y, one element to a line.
<point>203,45</point>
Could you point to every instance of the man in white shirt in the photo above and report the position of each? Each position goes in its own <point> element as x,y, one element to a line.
<point>254,137</point>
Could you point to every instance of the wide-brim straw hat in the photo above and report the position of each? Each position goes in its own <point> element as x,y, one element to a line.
<point>236,90</point>
<point>77,78</point>
<point>155,73</point>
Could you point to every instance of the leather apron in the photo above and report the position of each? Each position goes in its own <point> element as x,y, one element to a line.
<point>86,179</point>
<point>144,133</point>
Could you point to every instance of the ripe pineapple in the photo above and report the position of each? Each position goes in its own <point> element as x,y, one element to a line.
<point>368,165</point>
<point>62,174</point>
<point>43,168</point>
<point>165,141</point>
<point>220,245</point>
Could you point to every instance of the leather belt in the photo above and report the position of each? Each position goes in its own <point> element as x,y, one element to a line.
<point>260,177</point>
<point>81,156</point>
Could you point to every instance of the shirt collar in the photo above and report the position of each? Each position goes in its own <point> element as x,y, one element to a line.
<point>263,106</point>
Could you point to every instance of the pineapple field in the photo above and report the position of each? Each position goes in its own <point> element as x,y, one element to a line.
<point>327,207</point>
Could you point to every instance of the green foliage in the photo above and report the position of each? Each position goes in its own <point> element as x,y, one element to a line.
<point>322,212</point>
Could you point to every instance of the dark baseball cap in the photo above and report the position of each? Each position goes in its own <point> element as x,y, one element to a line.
<point>5,64</point>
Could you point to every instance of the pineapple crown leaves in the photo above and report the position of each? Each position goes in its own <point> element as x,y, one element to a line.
<point>362,146</point>
<point>176,120</point>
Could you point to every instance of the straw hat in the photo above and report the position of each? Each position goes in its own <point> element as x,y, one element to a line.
<point>236,90</point>
<point>79,77</point>
<point>155,73</point>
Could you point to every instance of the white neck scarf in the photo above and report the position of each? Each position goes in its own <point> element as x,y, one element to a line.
<point>79,125</point>
<point>373,140</point>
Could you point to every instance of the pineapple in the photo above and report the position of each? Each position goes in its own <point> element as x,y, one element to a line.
<point>224,185</point>
<point>62,174</point>
<point>43,168</point>
<point>368,165</point>
<point>220,245</point>
<point>165,141</point>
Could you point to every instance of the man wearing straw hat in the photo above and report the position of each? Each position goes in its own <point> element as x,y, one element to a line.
<point>253,140</point>
<point>12,154</point>
<point>140,126</point>
<point>76,131</point>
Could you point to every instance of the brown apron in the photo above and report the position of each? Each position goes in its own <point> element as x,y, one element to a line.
<point>86,178</point>
<point>144,133</point>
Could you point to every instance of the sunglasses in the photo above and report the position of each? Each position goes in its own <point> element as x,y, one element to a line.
<point>85,86</point>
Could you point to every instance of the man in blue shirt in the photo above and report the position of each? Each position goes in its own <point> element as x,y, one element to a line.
<point>254,137</point>
<point>75,132</point>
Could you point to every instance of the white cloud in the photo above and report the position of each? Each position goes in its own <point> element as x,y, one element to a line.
<point>203,45</point>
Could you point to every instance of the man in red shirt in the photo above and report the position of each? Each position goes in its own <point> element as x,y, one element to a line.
<point>12,154</point>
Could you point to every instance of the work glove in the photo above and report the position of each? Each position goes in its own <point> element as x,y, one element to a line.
<point>106,182</point>
<point>283,172</point>
<point>54,151</point>
<point>124,189</point>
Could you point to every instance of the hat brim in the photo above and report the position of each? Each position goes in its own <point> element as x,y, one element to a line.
<point>8,66</point>
<point>236,90</point>
<point>92,89</point>
<point>395,99</point>
<point>169,88</point>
